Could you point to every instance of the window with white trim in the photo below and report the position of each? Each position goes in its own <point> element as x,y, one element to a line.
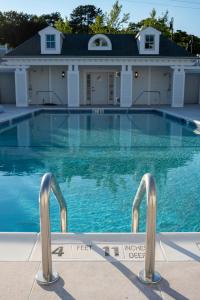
<point>99,42</point>
<point>149,42</point>
<point>50,41</point>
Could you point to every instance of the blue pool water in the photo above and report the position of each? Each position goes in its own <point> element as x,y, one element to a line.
<point>99,161</point>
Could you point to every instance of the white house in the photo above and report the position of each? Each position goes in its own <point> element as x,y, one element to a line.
<point>99,70</point>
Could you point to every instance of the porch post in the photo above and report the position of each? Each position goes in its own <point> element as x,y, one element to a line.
<point>21,87</point>
<point>73,86</point>
<point>126,94</point>
<point>178,87</point>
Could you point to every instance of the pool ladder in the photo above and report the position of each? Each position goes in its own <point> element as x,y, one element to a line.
<point>147,184</point>
<point>48,184</point>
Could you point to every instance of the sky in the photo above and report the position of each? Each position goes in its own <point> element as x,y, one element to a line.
<point>186,13</point>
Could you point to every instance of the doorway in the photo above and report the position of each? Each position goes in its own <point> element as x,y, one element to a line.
<point>100,88</point>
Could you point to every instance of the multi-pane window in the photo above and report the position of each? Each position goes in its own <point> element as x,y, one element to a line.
<point>149,41</point>
<point>88,89</point>
<point>100,43</point>
<point>50,41</point>
<point>111,81</point>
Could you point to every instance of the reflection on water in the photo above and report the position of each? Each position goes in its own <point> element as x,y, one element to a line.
<point>99,161</point>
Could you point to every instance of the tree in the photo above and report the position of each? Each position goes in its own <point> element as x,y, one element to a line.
<point>15,28</point>
<point>114,21</point>
<point>99,25</point>
<point>83,17</point>
<point>63,26</point>
<point>133,28</point>
<point>160,23</point>
<point>51,19</point>
<point>189,42</point>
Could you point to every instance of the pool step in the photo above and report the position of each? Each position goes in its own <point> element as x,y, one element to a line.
<point>100,247</point>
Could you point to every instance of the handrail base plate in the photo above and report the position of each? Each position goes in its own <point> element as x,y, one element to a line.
<point>42,281</point>
<point>156,278</point>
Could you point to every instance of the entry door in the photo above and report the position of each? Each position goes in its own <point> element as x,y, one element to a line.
<point>99,88</point>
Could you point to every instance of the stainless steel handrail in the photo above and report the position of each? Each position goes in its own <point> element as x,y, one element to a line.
<point>48,184</point>
<point>49,93</point>
<point>143,92</point>
<point>147,184</point>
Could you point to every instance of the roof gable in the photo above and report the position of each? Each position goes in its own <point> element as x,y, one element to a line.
<point>148,30</point>
<point>49,29</point>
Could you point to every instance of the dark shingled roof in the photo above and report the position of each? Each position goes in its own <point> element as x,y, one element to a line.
<point>123,45</point>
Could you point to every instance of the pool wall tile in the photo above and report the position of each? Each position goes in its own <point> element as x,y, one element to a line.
<point>21,118</point>
<point>4,124</point>
<point>37,112</point>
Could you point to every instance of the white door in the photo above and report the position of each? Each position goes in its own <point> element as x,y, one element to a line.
<point>99,88</point>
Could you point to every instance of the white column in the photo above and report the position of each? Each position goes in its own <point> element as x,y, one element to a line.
<point>73,86</point>
<point>21,87</point>
<point>178,87</point>
<point>126,94</point>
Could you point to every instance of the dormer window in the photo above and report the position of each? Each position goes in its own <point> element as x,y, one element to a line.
<point>50,41</point>
<point>149,42</point>
<point>99,42</point>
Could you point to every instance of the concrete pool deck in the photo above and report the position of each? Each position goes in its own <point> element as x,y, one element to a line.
<point>11,111</point>
<point>189,112</point>
<point>88,273</point>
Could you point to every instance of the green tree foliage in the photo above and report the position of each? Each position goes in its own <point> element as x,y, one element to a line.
<point>112,22</point>
<point>161,23</point>
<point>63,26</point>
<point>189,42</point>
<point>98,26</point>
<point>16,27</point>
<point>83,17</point>
<point>115,20</point>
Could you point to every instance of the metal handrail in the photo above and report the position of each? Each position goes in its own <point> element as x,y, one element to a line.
<point>143,92</point>
<point>50,92</point>
<point>147,184</point>
<point>48,184</point>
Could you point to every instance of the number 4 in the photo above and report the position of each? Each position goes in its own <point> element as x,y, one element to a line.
<point>58,251</point>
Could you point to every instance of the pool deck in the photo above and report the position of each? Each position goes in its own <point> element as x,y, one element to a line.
<point>11,111</point>
<point>189,112</point>
<point>87,272</point>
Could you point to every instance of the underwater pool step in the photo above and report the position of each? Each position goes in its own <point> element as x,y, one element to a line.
<point>100,247</point>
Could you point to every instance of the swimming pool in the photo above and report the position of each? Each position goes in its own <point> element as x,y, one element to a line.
<point>99,161</point>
